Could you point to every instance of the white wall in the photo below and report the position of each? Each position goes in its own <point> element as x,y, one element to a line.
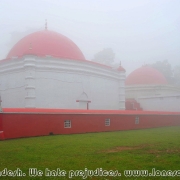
<point>12,84</point>
<point>163,103</point>
<point>49,82</point>
<point>136,91</point>
<point>63,81</point>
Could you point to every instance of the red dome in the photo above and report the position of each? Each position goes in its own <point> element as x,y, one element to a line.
<point>46,43</point>
<point>120,68</point>
<point>145,75</point>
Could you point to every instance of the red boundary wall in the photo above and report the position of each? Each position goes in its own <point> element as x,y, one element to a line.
<point>16,123</point>
<point>1,128</point>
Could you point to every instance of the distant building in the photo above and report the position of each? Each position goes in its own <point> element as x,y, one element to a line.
<point>148,89</point>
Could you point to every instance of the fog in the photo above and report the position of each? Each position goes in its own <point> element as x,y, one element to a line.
<point>138,31</point>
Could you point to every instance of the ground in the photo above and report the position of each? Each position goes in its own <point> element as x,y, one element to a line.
<point>154,150</point>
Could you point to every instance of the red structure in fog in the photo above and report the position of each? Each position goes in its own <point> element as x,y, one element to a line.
<point>132,104</point>
<point>17,123</point>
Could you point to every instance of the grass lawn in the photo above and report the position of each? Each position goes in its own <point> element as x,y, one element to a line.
<point>146,149</point>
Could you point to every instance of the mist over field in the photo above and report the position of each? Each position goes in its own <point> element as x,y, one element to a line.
<point>138,31</point>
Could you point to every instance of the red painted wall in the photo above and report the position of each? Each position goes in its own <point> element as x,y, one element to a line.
<point>1,128</point>
<point>1,122</point>
<point>23,124</point>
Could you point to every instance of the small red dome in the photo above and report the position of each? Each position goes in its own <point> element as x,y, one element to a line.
<point>46,43</point>
<point>145,75</point>
<point>120,68</point>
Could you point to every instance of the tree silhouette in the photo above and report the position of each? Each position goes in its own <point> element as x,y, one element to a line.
<point>165,68</point>
<point>106,56</point>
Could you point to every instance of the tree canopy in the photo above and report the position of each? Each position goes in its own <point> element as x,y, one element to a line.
<point>177,75</point>
<point>165,68</point>
<point>106,56</point>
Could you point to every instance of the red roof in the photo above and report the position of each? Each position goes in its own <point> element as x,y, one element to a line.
<point>46,43</point>
<point>145,75</point>
<point>120,68</point>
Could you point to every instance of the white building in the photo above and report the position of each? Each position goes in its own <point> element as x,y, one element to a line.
<point>148,89</point>
<point>47,70</point>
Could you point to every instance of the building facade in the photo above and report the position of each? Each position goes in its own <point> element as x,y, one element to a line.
<point>147,89</point>
<point>47,70</point>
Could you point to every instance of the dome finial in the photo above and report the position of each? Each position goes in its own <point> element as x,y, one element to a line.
<point>46,24</point>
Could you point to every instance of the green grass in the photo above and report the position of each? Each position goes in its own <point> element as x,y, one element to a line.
<point>123,150</point>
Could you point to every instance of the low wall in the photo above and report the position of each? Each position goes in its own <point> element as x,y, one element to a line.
<point>1,127</point>
<point>27,124</point>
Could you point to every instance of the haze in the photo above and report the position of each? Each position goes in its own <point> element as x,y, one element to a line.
<point>138,31</point>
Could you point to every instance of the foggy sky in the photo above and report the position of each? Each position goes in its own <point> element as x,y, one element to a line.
<point>138,31</point>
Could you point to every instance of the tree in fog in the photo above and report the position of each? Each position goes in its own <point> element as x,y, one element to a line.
<point>106,56</point>
<point>177,75</point>
<point>165,68</point>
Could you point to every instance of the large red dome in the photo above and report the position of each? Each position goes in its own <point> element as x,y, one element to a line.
<point>145,75</point>
<point>46,43</point>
